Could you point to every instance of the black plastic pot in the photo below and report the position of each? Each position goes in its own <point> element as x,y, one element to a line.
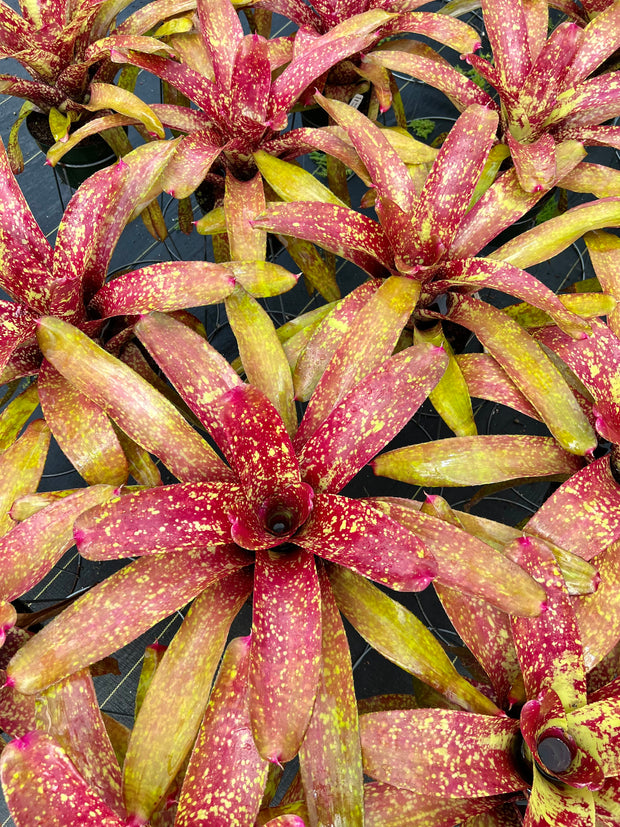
<point>79,163</point>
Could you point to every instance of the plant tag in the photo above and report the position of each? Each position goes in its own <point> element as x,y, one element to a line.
<point>356,100</point>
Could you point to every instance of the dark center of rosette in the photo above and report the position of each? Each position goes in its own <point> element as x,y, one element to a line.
<point>555,754</point>
<point>280,521</point>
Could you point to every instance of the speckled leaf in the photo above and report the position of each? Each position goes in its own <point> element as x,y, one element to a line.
<point>262,279</point>
<point>355,534</point>
<point>604,250</point>
<point>450,184</point>
<point>595,728</point>
<point>264,361</point>
<point>338,229</point>
<point>583,515</point>
<point>422,63</point>
<point>548,647</point>
<point>29,551</point>
<point>387,806</point>
<point>450,397</point>
<point>21,466</point>
<point>598,614</point>
<point>399,636</point>
<point>128,399</point>
<point>221,31</point>
<point>164,286</point>
<point>189,515</point>
<point>243,200</point>
<point>487,380</point>
<point>552,805</point>
<point>369,416</point>
<point>340,42</point>
<point>17,326</point>
<point>530,369</point>
<point>82,430</point>
<point>25,252</point>
<point>476,460</point>
<point>368,342</point>
<point>476,273</point>
<point>550,238</point>
<point>321,347</point>
<point>96,215</point>
<point>16,414</point>
<point>153,654</point>
<point>17,711</point>
<point>119,610</point>
<point>285,655</point>
<point>503,203</point>
<point>534,162</point>
<point>69,713</point>
<point>330,757</point>
<point>192,160</point>
<point>251,80</point>
<point>8,618</point>
<point>226,776</point>
<point>41,785</point>
<point>198,372</point>
<point>442,751</point>
<point>596,362</point>
<point>164,732</point>
<point>110,96</point>
<point>468,564</point>
<point>389,174</point>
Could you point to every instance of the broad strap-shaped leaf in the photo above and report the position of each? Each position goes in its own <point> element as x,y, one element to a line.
<point>369,341</point>
<point>388,806</point>
<point>389,174</point>
<point>450,184</point>
<point>262,279</point>
<point>468,564</point>
<point>164,733</point>
<point>340,230</point>
<point>69,713</point>
<point>291,182</point>
<point>117,611</point>
<point>129,400</point>
<point>109,96</point>
<point>284,678</point>
<point>192,159</point>
<point>16,414</point>
<point>262,356</point>
<point>40,782</point>
<point>222,34</point>
<point>604,250</point>
<point>399,636</point>
<point>340,42</point>
<point>96,215</point>
<point>353,533</point>
<point>189,515</point>
<point>31,548</point>
<point>17,326</point>
<point>534,162</point>
<point>550,238</point>
<point>598,43</point>
<point>198,372</point>
<point>321,347</point>
<point>26,253</point>
<point>555,805</point>
<point>369,416</point>
<point>548,647</point>
<point>82,429</point>
<point>17,711</point>
<point>583,515</point>
<point>476,460</point>
<point>243,200</point>
<point>330,756</point>
<point>450,397</point>
<point>225,775</point>
<point>596,362</point>
<point>530,369</point>
<point>597,614</point>
<point>475,273</point>
<point>504,202</point>
<point>21,466</point>
<point>487,380</point>
<point>422,63</point>
<point>443,751</point>
<point>164,286</point>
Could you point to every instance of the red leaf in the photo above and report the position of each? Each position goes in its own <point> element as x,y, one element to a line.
<point>284,677</point>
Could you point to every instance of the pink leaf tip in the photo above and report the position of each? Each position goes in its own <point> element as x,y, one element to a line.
<point>9,682</point>
<point>78,535</point>
<point>525,542</point>
<point>466,59</point>
<point>538,188</point>
<point>170,192</point>
<point>25,741</point>
<point>544,606</point>
<point>48,163</point>
<point>596,580</point>
<point>122,163</point>
<point>275,759</point>
<point>430,498</point>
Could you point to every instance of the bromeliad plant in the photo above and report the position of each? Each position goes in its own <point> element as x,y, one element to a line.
<point>548,88</point>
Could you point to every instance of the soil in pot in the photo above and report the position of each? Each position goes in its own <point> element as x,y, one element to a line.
<point>91,154</point>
